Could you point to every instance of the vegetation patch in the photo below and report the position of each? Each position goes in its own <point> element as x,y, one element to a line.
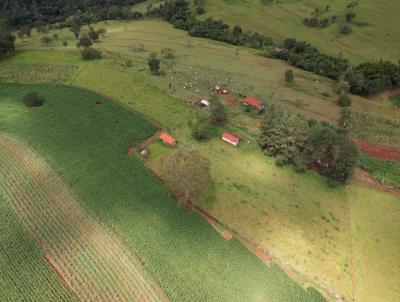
<point>386,172</point>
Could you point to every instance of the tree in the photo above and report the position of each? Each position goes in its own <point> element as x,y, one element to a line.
<point>74,25</point>
<point>90,53</point>
<point>32,99</point>
<point>102,32</point>
<point>65,43</point>
<point>93,35</point>
<point>84,41</point>
<point>344,100</point>
<point>7,41</point>
<point>25,31</point>
<point>47,40</point>
<point>218,112</point>
<point>41,27</point>
<point>201,127</point>
<point>289,76</point>
<point>187,174</point>
<point>345,29</point>
<point>154,64</point>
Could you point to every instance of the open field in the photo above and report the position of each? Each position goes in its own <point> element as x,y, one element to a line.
<point>189,260</point>
<point>90,260</point>
<point>297,217</point>
<point>379,39</point>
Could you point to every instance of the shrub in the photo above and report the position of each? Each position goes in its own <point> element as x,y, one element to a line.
<point>32,99</point>
<point>200,10</point>
<point>344,100</point>
<point>90,53</point>
<point>47,40</point>
<point>289,75</point>
<point>154,64</point>
<point>345,29</point>
<point>128,63</point>
<point>65,43</point>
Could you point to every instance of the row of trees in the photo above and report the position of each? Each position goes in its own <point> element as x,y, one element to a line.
<point>179,14</point>
<point>308,144</point>
<point>7,40</point>
<point>27,12</point>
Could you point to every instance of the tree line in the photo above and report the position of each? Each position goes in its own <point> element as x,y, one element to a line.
<point>19,13</point>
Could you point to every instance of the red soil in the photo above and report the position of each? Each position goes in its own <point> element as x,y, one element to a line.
<point>67,282</point>
<point>228,98</point>
<point>130,150</point>
<point>378,151</point>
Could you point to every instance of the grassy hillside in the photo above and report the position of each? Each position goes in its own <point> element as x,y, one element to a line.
<point>379,39</point>
<point>87,142</point>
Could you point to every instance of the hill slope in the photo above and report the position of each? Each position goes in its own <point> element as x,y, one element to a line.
<point>380,38</point>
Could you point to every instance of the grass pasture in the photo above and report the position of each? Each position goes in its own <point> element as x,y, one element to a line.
<point>379,39</point>
<point>86,142</point>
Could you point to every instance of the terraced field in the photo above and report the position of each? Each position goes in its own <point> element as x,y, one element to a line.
<point>91,260</point>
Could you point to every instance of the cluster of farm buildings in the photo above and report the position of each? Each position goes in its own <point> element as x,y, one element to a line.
<point>226,136</point>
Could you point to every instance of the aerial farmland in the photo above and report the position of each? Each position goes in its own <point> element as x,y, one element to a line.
<point>199,150</point>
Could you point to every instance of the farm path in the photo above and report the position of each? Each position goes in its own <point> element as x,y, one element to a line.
<point>91,260</point>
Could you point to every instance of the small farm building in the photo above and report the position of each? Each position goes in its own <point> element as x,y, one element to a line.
<point>168,139</point>
<point>231,138</point>
<point>249,101</point>
<point>205,103</point>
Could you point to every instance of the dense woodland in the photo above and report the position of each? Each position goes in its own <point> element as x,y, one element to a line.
<point>26,12</point>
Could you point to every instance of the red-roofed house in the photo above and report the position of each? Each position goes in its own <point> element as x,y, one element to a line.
<point>249,101</point>
<point>168,139</point>
<point>231,138</point>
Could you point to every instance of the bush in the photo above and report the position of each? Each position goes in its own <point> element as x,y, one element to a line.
<point>200,10</point>
<point>47,40</point>
<point>32,99</point>
<point>344,100</point>
<point>345,29</point>
<point>90,53</point>
<point>289,75</point>
<point>154,64</point>
<point>128,63</point>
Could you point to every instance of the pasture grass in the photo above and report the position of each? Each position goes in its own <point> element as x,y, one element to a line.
<point>87,141</point>
<point>379,39</point>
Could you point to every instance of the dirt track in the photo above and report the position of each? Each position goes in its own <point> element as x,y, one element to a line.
<point>378,151</point>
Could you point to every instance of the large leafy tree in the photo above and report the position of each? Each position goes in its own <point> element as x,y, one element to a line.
<point>187,174</point>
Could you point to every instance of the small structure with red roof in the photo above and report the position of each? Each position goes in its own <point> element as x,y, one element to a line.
<point>168,139</point>
<point>230,138</point>
<point>249,101</point>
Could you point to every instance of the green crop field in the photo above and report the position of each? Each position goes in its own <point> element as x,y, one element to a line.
<point>86,141</point>
<point>303,223</point>
<point>378,39</point>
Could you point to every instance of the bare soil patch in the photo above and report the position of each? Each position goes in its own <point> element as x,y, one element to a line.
<point>378,151</point>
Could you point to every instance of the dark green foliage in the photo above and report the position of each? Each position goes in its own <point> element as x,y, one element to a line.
<point>386,172</point>
<point>289,76</point>
<point>218,111</point>
<point>201,127</point>
<point>25,31</point>
<point>200,10</point>
<point>6,42</point>
<point>47,40</point>
<point>304,56</point>
<point>154,64</point>
<point>65,43</point>
<point>345,118</point>
<point>28,12</point>
<point>90,53</point>
<point>32,99</point>
<point>345,29</point>
<point>84,41</point>
<point>292,139</point>
<point>371,78</point>
<point>93,34</point>
<point>344,100</point>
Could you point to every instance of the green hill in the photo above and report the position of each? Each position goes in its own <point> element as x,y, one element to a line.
<point>374,36</point>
